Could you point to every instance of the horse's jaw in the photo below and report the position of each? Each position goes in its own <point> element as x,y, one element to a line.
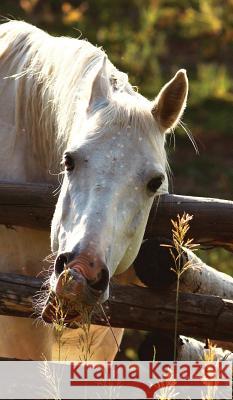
<point>131,252</point>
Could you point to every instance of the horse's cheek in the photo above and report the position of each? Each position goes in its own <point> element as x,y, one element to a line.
<point>130,254</point>
<point>136,232</point>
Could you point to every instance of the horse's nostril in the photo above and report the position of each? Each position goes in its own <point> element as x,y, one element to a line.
<point>62,260</point>
<point>60,264</point>
<point>102,282</point>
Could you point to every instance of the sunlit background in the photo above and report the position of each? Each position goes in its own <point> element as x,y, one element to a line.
<point>151,40</point>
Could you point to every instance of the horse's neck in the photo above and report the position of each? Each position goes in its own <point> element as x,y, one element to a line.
<point>17,161</point>
<point>21,249</point>
<point>11,148</point>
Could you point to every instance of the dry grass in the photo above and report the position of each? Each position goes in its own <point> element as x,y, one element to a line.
<point>181,264</point>
<point>180,244</point>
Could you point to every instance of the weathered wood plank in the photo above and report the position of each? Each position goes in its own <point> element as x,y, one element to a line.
<point>29,205</point>
<point>32,205</point>
<point>211,225</point>
<point>135,307</point>
<point>155,266</point>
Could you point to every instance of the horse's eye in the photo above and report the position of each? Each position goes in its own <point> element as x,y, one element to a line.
<point>155,183</point>
<point>68,162</point>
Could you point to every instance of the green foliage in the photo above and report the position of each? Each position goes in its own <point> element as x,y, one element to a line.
<point>149,39</point>
<point>218,258</point>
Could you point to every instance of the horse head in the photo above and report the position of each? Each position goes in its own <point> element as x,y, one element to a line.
<point>114,167</point>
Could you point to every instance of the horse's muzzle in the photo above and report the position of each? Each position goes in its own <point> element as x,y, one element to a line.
<point>79,281</point>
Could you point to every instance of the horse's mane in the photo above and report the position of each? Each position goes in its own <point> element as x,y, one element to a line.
<point>54,77</point>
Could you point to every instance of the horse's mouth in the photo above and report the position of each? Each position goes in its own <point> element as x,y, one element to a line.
<point>68,299</point>
<point>59,312</point>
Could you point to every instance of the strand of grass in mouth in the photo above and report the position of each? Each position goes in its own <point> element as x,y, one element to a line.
<point>87,339</point>
<point>109,325</point>
<point>58,323</point>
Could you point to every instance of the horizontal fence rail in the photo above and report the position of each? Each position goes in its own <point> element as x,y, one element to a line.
<point>32,205</point>
<point>134,307</point>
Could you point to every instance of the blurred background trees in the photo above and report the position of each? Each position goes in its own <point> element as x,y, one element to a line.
<point>151,40</point>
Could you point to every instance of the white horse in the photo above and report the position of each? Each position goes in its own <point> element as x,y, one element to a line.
<point>62,99</point>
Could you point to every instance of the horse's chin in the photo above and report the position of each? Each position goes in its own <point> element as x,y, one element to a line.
<point>54,314</point>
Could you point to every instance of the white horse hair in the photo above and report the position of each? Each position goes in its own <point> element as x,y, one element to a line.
<point>62,97</point>
<point>55,77</point>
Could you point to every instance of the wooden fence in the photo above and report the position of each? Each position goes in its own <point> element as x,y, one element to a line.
<point>32,205</point>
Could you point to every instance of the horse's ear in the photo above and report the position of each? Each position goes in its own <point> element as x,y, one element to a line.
<point>171,101</point>
<point>100,91</point>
